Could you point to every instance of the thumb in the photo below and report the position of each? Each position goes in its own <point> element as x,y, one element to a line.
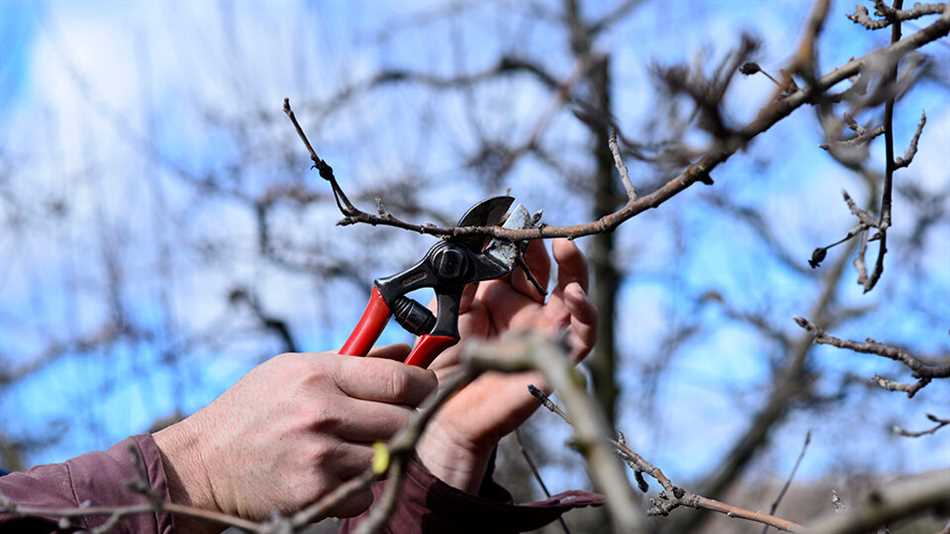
<point>468,295</point>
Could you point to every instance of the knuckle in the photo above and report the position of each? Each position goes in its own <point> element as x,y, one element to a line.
<point>399,386</point>
<point>324,455</point>
<point>326,421</point>
<point>318,371</point>
<point>290,363</point>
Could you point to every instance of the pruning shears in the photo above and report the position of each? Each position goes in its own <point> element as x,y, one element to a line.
<point>447,267</point>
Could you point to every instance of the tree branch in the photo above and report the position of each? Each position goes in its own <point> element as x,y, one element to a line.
<point>923,371</point>
<point>521,352</point>
<point>889,15</point>
<point>908,157</point>
<point>619,11</point>
<point>940,423</point>
<point>621,167</point>
<point>698,171</point>
<point>672,496</point>
<point>508,64</point>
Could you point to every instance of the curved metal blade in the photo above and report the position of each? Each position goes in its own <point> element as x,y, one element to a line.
<point>489,212</point>
<point>506,252</point>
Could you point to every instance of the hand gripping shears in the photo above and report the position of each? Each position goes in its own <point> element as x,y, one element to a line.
<point>447,267</point>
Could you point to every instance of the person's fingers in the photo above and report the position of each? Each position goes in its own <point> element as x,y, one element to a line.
<point>537,259</point>
<point>364,421</point>
<point>579,304</point>
<point>397,352</point>
<point>376,379</point>
<point>468,295</point>
<point>571,264</point>
<point>583,331</point>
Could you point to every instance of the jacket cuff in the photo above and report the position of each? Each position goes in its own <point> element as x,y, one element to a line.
<point>426,504</point>
<point>94,479</point>
<point>102,478</point>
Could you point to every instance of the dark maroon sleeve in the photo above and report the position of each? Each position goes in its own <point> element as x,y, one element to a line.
<point>428,505</point>
<point>96,479</point>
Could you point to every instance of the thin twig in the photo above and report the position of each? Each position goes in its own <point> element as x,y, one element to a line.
<point>621,166</point>
<point>940,423</point>
<point>530,461</point>
<point>908,156</point>
<point>788,481</point>
<point>529,275</point>
<point>865,136</point>
<point>893,385</point>
<point>923,371</point>
<point>537,474</point>
<point>8,506</point>
<point>379,514</point>
<point>751,67</point>
<point>889,164</point>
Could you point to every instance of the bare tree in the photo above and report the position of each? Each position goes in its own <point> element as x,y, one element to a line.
<point>552,109</point>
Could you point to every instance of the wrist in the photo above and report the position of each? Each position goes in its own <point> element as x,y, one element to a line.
<point>458,462</point>
<point>185,473</point>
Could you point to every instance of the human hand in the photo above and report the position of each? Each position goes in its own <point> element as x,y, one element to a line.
<point>459,441</point>
<point>291,430</point>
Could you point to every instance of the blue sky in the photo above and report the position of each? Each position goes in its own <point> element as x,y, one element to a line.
<point>17,28</point>
<point>86,84</point>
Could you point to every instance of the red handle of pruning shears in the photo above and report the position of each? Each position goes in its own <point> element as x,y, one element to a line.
<point>371,325</point>
<point>427,348</point>
<point>373,322</point>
